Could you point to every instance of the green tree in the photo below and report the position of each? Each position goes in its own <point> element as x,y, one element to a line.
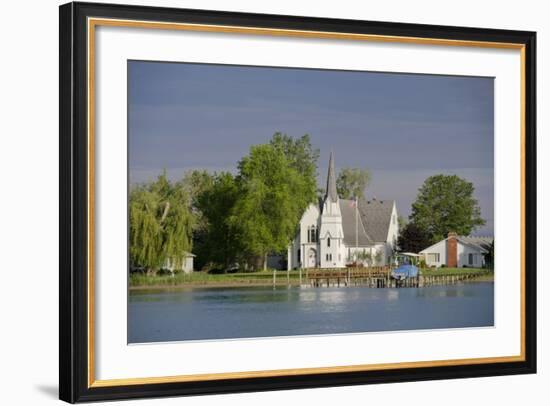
<point>446,203</point>
<point>220,244</point>
<point>412,238</point>
<point>401,222</point>
<point>352,182</point>
<point>272,198</point>
<point>160,224</point>
<point>302,157</point>
<point>489,256</point>
<point>195,182</point>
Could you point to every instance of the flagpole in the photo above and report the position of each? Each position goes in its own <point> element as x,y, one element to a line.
<point>356,229</point>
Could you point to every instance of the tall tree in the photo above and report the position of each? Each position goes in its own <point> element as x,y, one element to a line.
<point>195,182</point>
<point>446,203</point>
<point>273,196</point>
<point>221,244</point>
<point>302,157</point>
<point>160,224</point>
<point>352,182</point>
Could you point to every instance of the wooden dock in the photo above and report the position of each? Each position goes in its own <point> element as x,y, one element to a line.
<point>376,277</point>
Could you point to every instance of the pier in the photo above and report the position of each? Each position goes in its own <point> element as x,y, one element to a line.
<point>379,277</point>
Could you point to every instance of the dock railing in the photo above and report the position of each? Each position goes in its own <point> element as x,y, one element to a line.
<point>380,277</point>
<point>371,276</point>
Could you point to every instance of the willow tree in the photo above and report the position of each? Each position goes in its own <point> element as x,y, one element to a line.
<point>160,224</point>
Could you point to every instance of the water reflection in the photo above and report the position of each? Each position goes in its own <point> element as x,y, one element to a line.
<point>213,313</point>
<point>449,291</point>
<point>392,294</point>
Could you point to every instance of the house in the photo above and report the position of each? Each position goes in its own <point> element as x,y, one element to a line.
<point>337,232</point>
<point>186,264</point>
<point>458,251</point>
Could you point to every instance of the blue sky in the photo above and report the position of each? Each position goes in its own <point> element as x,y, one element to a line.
<point>402,127</point>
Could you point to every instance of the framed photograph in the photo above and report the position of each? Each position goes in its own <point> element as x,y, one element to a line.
<point>257,202</point>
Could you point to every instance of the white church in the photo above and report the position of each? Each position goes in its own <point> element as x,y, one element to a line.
<point>338,232</point>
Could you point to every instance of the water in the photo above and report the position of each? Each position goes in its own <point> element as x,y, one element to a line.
<point>239,312</point>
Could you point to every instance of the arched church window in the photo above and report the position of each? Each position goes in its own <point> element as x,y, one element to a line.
<point>309,234</point>
<point>328,242</point>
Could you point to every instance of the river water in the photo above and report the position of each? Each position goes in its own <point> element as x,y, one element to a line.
<point>239,312</point>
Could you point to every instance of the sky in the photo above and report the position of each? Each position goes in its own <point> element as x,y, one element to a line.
<point>402,127</point>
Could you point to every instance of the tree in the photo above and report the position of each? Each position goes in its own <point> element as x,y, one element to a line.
<point>302,157</point>
<point>352,182</point>
<point>160,224</point>
<point>272,198</point>
<point>412,239</point>
<point>196,182</point>
<point>489,256</point>
<point>401,222</point>
<point>446,203</point>
<point>220,243</point>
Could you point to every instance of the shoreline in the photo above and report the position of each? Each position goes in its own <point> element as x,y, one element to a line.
<point>214,284</point>
<point>251,283</point>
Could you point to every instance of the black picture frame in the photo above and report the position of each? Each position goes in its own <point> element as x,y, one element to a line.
<point>74,199</point>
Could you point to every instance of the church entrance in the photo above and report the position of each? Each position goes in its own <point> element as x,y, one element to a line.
<point>312,258</point>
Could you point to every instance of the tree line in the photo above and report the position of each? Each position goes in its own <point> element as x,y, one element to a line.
<point>227,219</point>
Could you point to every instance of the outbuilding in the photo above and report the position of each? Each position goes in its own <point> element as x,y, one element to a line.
<point>186,264</point>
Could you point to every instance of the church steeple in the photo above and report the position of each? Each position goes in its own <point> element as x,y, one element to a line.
<point>331,181</point>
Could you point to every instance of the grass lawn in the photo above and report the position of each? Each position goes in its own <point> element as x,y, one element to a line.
<point>203,278</point>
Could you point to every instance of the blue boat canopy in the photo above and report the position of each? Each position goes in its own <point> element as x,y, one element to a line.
<point>405,271</point>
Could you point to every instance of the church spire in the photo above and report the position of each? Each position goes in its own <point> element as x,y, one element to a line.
<point>331,180</point>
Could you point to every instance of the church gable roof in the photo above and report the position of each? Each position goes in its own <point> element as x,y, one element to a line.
<point>376,216</point>
<point>347,209</point>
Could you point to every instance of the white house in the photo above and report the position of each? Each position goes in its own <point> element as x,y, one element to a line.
<point>338,231</point>
<point>458,251</point>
